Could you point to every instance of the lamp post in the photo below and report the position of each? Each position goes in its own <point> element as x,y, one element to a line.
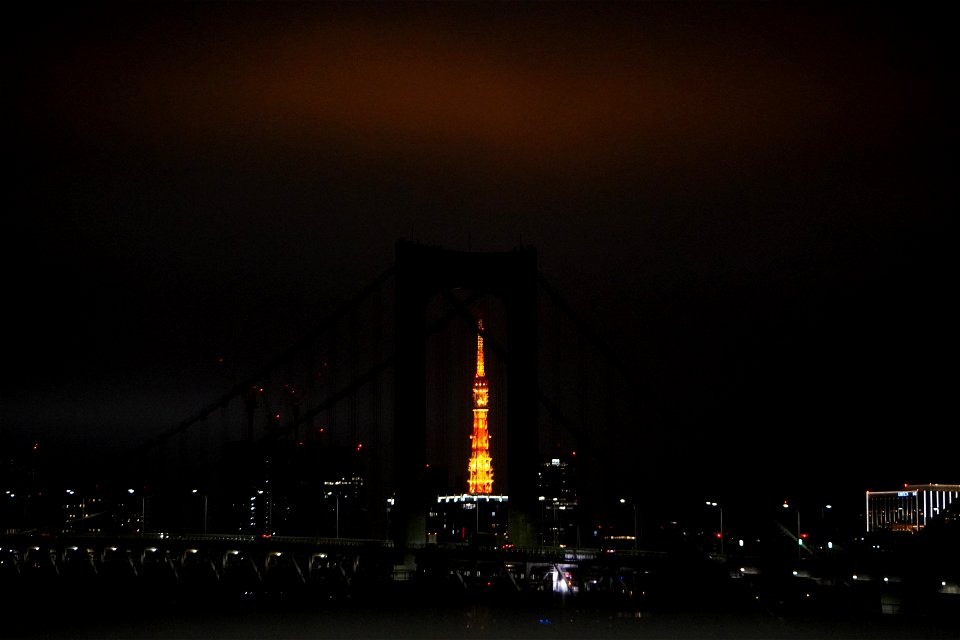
<point>825,529</point>
<point>195,491</point>
<point>625,501</point>
<point>391,502</point>
<point>786,505</point>
<point>143,510</point>
<point>719,508</point>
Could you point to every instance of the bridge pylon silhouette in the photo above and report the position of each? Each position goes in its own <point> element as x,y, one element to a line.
<point>422,272</point>
<point>337,434</point>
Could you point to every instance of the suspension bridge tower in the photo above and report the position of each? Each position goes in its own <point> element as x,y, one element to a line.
<point>421,272</point>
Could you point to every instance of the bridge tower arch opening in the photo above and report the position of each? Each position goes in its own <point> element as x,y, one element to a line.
<point>423,271</point>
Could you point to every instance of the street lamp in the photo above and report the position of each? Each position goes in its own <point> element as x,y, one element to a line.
<point>786,505</point>
<point>826,526</point>
<point>194,491</point>
<point>714,504</point>
<point>336,495</point>
<point>625,501</point>
<point>143,510</point>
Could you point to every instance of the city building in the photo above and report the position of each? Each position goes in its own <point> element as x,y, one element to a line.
<point>298,488</point>
<point>558,502</point>
<point>469,518</point>
<point>909,509</point>
<point>479,514</point>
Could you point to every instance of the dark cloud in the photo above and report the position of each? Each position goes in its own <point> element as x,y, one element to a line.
<point>748,199</point>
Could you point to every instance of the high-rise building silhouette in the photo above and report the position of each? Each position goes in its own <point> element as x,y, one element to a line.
<point>558,502</point>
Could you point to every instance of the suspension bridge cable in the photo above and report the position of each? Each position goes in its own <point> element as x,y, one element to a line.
<point>585,328</point>
<point>242,387</point>
<point>584,441</point>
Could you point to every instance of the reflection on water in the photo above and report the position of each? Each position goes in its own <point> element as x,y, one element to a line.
<point>193,594</point>
<point>418,619</point>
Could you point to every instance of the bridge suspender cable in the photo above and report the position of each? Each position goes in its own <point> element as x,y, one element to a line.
<point>242,387</point>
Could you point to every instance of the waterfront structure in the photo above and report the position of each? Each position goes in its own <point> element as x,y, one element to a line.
<point>909,509</point>
<point>478,519</point>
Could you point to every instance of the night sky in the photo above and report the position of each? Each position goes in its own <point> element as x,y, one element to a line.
<point>748,201</point>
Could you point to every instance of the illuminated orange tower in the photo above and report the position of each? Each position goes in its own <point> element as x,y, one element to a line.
<point>481,465</point>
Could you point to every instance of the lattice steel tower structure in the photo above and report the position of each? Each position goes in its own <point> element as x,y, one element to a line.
<point>480,480</point>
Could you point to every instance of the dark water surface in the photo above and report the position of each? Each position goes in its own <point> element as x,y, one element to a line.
<point>258,619</point>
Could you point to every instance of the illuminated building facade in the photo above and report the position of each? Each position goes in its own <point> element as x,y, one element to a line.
<point>93,512</point>
<point>480,466</point>
<point>477,519</point>
<point>909,509</point>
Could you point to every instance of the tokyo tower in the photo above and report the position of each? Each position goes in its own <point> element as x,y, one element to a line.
<point>481,465</point>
